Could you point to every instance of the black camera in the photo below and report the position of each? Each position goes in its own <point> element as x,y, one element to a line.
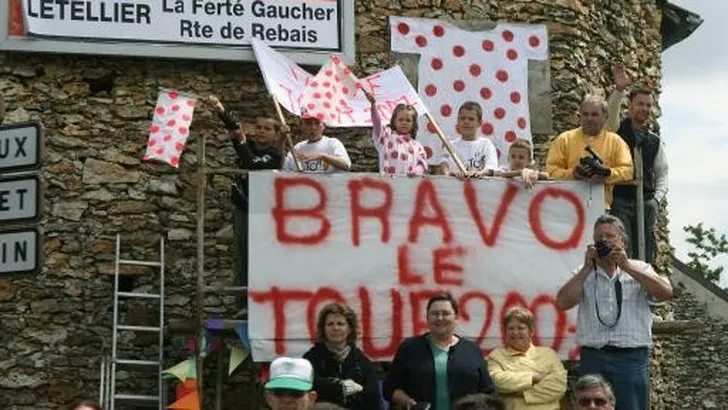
<point>603,247</point>
<point>593,165</point>
<point>230,119</point>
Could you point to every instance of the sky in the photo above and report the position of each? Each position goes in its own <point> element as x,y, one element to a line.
<point>694,126</point>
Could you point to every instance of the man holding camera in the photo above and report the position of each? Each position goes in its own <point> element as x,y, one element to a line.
<point>614,322</point>
<point>590,152</point>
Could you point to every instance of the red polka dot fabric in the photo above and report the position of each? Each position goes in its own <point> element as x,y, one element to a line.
<point>328,94</point>
<point>488,67</point>
<point>170,127</point>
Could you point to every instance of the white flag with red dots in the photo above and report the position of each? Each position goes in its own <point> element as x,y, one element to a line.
<point>327,95</point>
<point>170,127</point>
<point>488,67</point>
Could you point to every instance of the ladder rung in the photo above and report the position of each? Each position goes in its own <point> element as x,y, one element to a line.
<point>138,328</point>
<point>139,295</point>
<point>135,397</point>
<point>137,362</point>
<point>139,263</point>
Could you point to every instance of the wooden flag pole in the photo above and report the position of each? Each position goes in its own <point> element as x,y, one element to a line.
<point>447,145</point>
<point>291,147</point>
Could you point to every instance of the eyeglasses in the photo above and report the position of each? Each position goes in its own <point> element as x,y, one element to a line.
<point>296,394</point>
<point>596,401</point>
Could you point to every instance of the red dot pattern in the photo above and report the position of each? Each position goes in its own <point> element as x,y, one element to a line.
<point>170,128</point>
<point>488,67</point>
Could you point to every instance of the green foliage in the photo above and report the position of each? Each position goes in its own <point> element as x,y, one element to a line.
<point>707,246</point>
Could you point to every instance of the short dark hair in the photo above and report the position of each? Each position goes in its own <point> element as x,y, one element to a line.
<point>639,91</point>
<point>472,106</point>
<point>478,401</point>
<point>337,309</point>
<point>87,403</point>
<point>443,297</point>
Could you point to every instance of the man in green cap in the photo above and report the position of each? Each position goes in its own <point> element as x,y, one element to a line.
<point>290,386</point>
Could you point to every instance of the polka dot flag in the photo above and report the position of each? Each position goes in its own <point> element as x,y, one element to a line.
<point>327,94</point>
<point>170,127</point>
<point>488,67</point>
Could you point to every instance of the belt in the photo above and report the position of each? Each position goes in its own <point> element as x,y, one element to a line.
<point>616,349</point>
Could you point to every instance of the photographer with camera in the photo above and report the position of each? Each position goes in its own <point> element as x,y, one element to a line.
<point>614,322</point>
<point>590,152</point>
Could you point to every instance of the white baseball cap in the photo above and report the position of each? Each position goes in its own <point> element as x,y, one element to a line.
<point>290,373</point>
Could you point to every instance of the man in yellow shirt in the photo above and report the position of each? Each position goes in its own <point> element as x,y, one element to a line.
<point>569,156</point>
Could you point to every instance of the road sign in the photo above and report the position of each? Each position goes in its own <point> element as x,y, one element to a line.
<point>19,199</point>
<point>20,146</point>
<point>20,251</point>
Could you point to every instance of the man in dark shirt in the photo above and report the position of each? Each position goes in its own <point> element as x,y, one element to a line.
<point>635,131</point>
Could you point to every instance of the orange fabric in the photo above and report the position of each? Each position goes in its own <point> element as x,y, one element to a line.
<point>189,402</point>
<point>185,388</point>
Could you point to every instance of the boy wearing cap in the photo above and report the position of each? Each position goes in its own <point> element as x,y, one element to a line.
<point>290,385</point>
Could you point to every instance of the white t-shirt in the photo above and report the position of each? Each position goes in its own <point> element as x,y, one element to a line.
<point>326,145</point>
<point>477,155</point>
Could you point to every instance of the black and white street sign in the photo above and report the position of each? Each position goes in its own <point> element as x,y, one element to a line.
<point>20,146</point>
<point>19,199</point>
<point>20,251</point>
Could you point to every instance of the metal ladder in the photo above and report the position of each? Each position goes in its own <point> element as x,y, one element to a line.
<point>116,362</point>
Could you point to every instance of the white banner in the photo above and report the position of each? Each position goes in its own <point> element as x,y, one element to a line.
<point>298,24</point>
<point>384,246</point>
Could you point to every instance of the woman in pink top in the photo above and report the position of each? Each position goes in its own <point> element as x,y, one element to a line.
<point>399,152</point>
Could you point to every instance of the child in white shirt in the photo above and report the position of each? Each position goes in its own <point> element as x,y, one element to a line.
<point>478,154</point>
<point>519,158</point>
<point>318,153</point>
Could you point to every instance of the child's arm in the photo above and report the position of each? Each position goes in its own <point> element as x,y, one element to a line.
<point>380,134</point>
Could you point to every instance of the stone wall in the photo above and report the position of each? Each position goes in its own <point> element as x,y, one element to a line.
<point>95,112</point>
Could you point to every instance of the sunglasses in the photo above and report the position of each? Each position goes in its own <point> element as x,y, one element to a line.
<point>596,401</point>
<point>287,392</point>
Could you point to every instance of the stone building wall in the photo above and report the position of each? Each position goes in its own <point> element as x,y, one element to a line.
<point>96,111</point>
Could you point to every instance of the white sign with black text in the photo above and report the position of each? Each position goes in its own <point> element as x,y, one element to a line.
<point>19,251</point>
<point>19,199</point>
<point>19,146</point>
<point>298,24</point>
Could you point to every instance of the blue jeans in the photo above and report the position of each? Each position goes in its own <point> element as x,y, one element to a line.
<point>628,373</point>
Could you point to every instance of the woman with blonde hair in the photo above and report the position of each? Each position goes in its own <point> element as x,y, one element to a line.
<point>527,377</point>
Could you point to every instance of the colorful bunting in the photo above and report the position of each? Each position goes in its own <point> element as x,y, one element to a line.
<point>188,402</point>
<point>237,356</point>
<point>242,331</point>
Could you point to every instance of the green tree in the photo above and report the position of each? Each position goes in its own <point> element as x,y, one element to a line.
<point>707,245</point>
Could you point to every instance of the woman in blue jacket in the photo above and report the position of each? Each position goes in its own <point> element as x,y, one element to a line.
<point>438,367</point>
